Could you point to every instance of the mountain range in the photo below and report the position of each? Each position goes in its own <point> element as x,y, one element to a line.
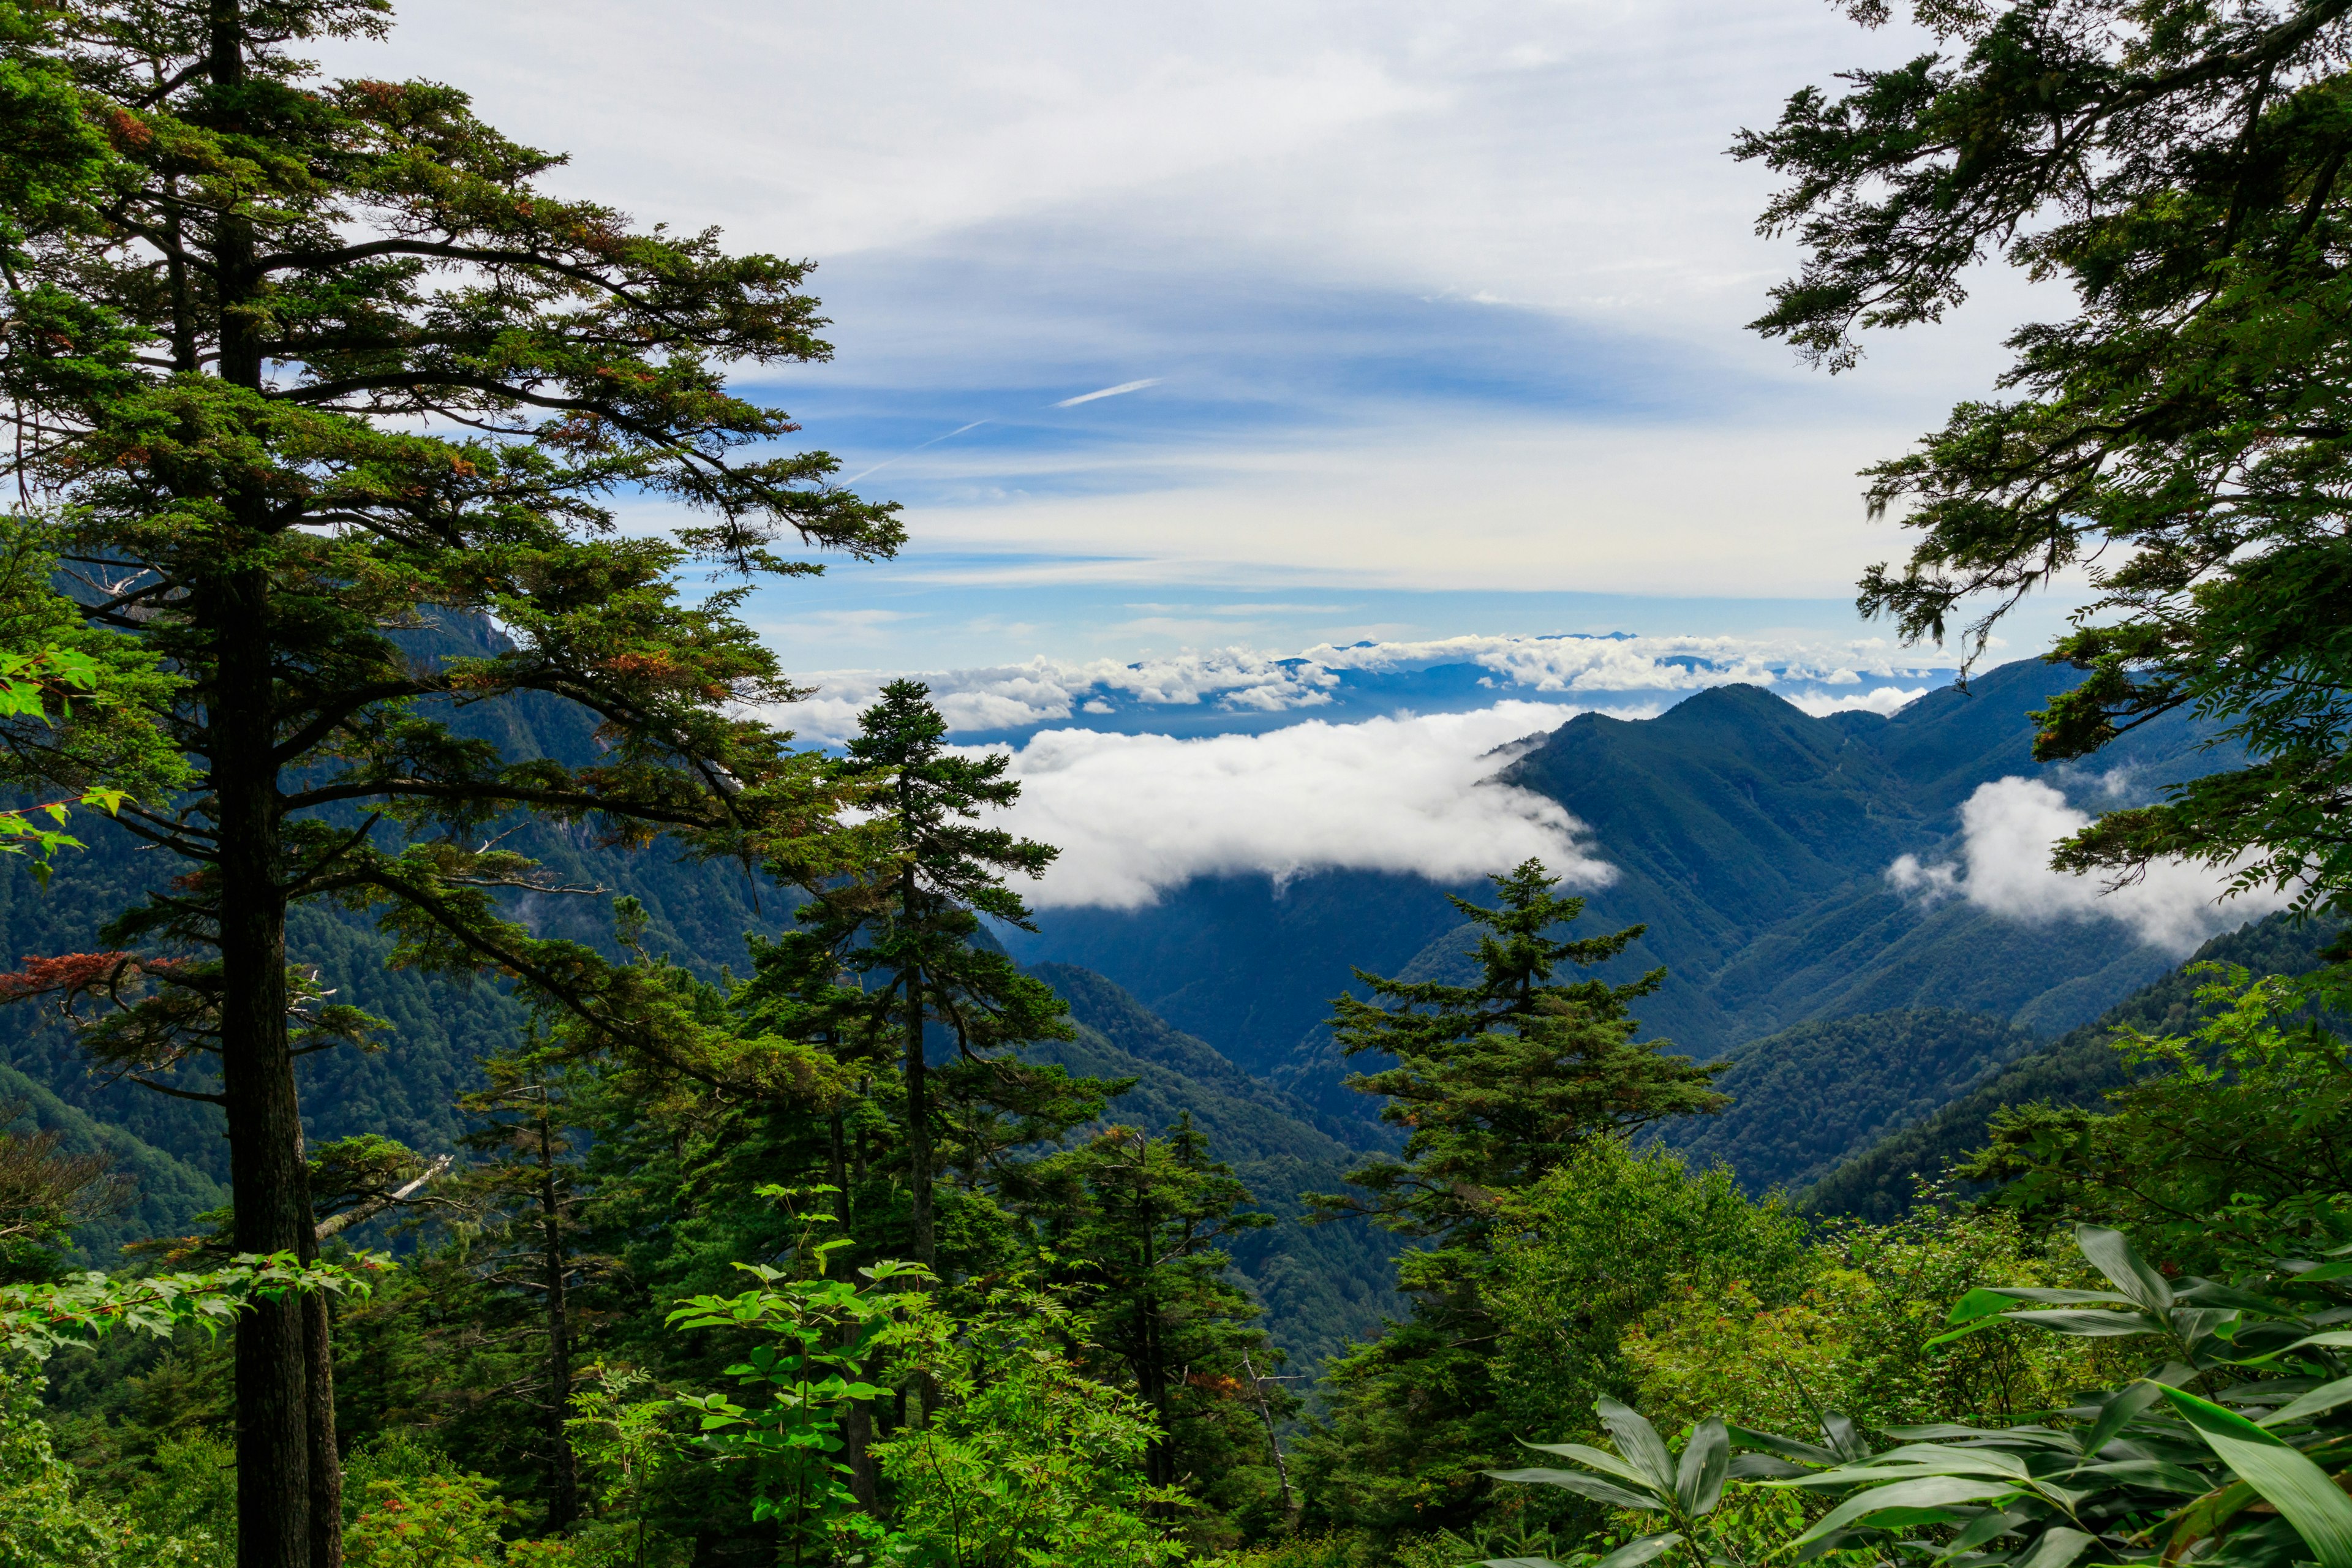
<point>1869,1026</point>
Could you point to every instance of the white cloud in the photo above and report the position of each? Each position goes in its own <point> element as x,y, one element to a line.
<point>2007,828</point>
<point>1820,677</point>
<point>1644,663</point>
<point>1885,701</point>
<point>1136,815</point>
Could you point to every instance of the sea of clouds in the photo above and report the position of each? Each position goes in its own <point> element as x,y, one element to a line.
<point>1375,757</point>
<point>1382,756</point>
<point>1229,688</point>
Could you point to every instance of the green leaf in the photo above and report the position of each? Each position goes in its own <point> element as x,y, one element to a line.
<point>2299,1489</point>
<point>1608,1464</point>
<point>1583,1484</point>
<point>1928,1491</point>
<point>2059,1546</point>
<point>1639,1442</point>
<point>1786,1447</point>
<point>2091,1325</point>
<point>2117,1413</point>
<point>2318,1402</point>
<point>1639,1550</point>
<point>1987,1526</point>
<point>1698,1479</point>
<point>2114,1256</point>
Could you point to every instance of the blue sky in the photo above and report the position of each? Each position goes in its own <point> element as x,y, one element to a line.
<point>1437,419</point>
<point>1431,317</point>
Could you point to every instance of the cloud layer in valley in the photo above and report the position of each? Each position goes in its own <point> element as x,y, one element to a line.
<point>1240,689</point>
<point>2007,830</point>
<point>1136,815</point>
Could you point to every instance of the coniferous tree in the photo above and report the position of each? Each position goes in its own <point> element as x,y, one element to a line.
<point>2179,435</point>
<point>1500,1082</point>
<point>526,1194</point>
<point>1141,1224</point>
<point>296,366</point>
<point>917,940</point>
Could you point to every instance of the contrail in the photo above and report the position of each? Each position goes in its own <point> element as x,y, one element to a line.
<point>912,450</point>
<point>1109,392</point>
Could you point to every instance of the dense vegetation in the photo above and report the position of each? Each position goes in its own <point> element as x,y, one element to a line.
<point>841,1242</point>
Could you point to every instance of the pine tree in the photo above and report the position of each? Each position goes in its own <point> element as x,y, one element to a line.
<point>527,1196</point>
<point>1141,1224</point>
<point>299,370</point>
<point>1500,1080</point>
<point>917,938</point>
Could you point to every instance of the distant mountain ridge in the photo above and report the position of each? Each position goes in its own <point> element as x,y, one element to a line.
<point>1751,838</point>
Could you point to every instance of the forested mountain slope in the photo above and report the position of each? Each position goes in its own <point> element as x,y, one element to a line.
<point>407,1090</point>
<point>1878,1182</point>
<point>1806,1098</point>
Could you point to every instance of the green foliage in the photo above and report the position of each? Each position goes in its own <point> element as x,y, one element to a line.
<point>2147,1463</point>
<point>1595,1247</point>
<point>1855,1328</point>
<point>431,1521</point>
<point>45,1517</point>
<point>2176,165</point>
<point>1028,1463</point>
<point>1646,1477</point>
<point>37,1320</point>
<point>2124,1474</point>
<point>1138,1225</point>
<point>816,1337</point>
<point>1500,1080</point>
<point>909,931</point>
<point>2230,1141</point>
<point>2079,1069</point>
<point>1803,1099</point>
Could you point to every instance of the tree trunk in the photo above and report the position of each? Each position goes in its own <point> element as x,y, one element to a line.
<point>319,1356</point>
<point>918,1098</point>
<point>563,1490</point>
<point>266,1172</point>
<point>268,1180</point>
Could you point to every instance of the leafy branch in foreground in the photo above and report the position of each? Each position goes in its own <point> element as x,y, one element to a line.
<point>37,1320</point>
<point>2151,1471</point>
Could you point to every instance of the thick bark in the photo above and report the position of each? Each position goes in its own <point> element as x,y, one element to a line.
<point>326,1458</point>
<point>1160,1455</point>
<point>319,1404</point>
<point>563,1472</point>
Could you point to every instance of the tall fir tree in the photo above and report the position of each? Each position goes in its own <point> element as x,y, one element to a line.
<point>917,940</point>
<point>1499,1082</point>
<point>295,367</point>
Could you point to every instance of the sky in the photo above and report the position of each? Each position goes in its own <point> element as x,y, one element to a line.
<point>1294,403</point>
<point>1259,325</point>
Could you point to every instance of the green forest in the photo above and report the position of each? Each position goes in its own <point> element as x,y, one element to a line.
<point>528,1108</point>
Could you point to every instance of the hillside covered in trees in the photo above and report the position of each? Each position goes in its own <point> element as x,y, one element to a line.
<point>478,1092</point>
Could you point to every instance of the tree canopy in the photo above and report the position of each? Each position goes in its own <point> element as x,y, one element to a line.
<point>2181,436</point>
